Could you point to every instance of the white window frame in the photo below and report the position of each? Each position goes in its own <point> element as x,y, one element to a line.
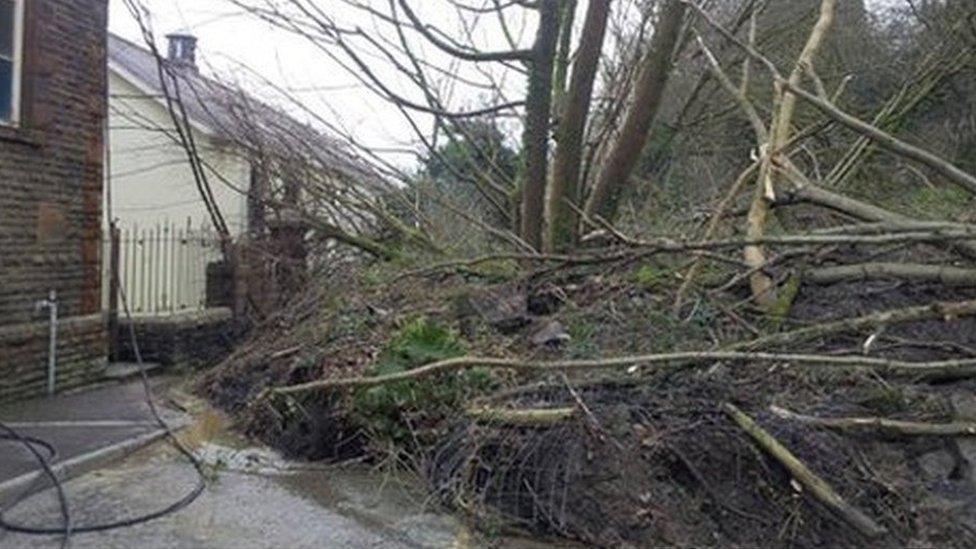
<point>18,64</point>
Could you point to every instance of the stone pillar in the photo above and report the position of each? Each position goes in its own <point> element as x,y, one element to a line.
<point>287,243</point>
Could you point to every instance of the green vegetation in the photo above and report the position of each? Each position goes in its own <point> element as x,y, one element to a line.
<point>649,277</point>
<point>385,409</point>
<point>582,343</point>
<point>784,301</point>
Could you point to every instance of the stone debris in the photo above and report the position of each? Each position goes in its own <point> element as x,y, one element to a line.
<point>247,460</point>
<point>552,333</point>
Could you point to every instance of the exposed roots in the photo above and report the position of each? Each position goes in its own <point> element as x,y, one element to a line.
<point>658,465</point>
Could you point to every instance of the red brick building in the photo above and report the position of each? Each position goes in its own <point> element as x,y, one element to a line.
<point>52,114</point>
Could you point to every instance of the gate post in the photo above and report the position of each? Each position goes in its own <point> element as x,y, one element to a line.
<point>239,278</point>
<point>288,242</point>
<point>115,244</point>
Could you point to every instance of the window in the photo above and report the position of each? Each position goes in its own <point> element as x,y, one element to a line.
<point>11,37</point>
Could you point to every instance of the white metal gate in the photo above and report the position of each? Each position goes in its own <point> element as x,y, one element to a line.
<point>162,268</point>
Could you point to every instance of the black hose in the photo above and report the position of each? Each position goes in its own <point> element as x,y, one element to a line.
<point>10,434</point>
<point>67,528</point>
<point>30,443</point>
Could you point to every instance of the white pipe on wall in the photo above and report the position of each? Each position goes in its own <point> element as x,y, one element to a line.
<point>51,304</point>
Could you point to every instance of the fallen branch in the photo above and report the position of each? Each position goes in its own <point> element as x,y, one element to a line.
<point>520,418</point>
<point>642,248</point>
<point>817,487</point>
<point>882,425</point>
<point>925,370</point>
<point>943,368</point>
<point>874,320</point>
<point>949,276</point>
<point>883,227</point>
<point>805,190</point>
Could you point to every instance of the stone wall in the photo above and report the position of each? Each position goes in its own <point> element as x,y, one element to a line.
<point>51,188</point>
<point>193,339</point>
<point>82,353</point>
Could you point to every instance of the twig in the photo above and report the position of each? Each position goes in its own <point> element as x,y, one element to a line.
<point>884,139</point>
<point>710,231</point>
<point>594,423</point>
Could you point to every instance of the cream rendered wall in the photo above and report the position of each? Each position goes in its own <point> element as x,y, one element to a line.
<point>151,180</point>
<point>151,186</point>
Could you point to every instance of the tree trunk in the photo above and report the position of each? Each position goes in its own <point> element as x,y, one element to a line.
<point>648,91</point>
<point>567,15</point>
<point>563,227</point>
<point>535,140</point>
<point>762,285</point>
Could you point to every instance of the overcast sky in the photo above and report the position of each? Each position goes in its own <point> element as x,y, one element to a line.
<point>229,38</point>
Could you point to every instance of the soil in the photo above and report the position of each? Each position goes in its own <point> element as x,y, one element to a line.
<point>653,459</point>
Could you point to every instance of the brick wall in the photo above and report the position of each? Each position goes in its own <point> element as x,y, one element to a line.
<point>51,182</point>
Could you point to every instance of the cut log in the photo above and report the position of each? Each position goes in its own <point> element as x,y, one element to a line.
<point>529,417</point>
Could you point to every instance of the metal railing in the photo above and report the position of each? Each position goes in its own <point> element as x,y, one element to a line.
<point>162,268</point>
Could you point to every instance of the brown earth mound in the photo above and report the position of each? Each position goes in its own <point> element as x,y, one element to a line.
<point>650,458</point>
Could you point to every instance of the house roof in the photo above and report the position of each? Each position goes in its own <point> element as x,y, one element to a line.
<point>234,115</point>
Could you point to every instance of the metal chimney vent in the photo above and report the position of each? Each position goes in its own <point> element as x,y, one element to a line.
<point>182,49</point>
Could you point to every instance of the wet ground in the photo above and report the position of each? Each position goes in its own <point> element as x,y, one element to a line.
<point>342,507</point>
<point>79,423</point>
<point>253,499</point>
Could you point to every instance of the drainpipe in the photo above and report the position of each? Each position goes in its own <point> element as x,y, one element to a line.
<point>51,304</point>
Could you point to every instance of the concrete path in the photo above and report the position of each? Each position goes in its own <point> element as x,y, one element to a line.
<point>313,508</point>
<point>253,498</point>
<point>79,426</point>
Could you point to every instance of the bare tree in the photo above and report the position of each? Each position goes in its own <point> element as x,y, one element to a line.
<point>648,91</point>
<point>565,185</point>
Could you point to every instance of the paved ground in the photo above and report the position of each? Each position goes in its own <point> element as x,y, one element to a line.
<point>320,508</point>
<point>75,424</point>
<point>252,499</point>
